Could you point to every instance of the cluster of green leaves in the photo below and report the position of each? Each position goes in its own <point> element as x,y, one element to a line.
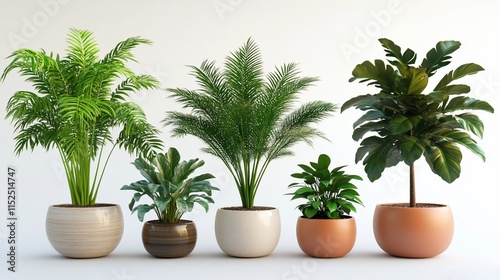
<point>168,185</point>
<point>329,193</point>
<point>402,123</point>
<point>76,105</point>
<point>247,120</point>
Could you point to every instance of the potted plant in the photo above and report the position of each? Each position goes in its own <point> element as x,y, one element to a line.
<point>325,228</point>
<point>247,121</point>
<point>173,193</point>
<point>403,124</point>
<point>75,108</point>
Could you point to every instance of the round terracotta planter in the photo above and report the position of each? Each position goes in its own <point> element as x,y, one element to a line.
<point>326,238</point>
<point>84,232</point>
<point>247,233</point>
<point>169,240</point>
<point>420,232</point>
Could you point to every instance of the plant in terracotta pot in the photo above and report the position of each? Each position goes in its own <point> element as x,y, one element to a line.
<point>402,123</point>
<point>325,228</point>
<point>172,193</point>
<point>247,120</point>
<point>78,102</point>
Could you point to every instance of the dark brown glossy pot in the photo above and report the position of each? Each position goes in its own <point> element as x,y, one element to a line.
<point>326,238</point>
<point>420,232</point>
<point>169,240</point>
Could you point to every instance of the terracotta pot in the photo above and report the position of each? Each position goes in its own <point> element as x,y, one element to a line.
<point>326,238</point>
<point>84,232</point>
<point>247,233</point>
<point>169,240</point>
<point>420,232</point>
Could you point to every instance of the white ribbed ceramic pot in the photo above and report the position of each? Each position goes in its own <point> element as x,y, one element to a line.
<point>84,232</point>
<point>247,233</point>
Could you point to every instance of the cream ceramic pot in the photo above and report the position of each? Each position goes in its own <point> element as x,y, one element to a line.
<point>247,233</point>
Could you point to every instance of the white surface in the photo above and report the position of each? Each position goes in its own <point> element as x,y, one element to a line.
<point>327,38</point>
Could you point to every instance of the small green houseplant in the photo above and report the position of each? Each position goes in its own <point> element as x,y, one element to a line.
<point>330,197</point>
<point>247,119</point>
<point>78,103</point>
<point>402,123</point>
<point>172,193</point>
<point>329,193</point>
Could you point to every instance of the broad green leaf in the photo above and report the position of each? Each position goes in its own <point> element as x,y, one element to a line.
<point>310,212</point>
<point>375,161</point>
<point>393,50</point>
<point>467,103</point>
<point>400,124</point>
<point>161,203</point>
<point>463,139</point>
<point>411,149</point>
<point>455,89</point>
<point>324,161</point>
<point>460,72</point>
<point>369,116</point>
<point>444,159</point>
<point>359,132</point>
<point>142,210</point>
<point>378,73</point>
<point>362,102</point>
<point>332,206</point>
<point>471,123</point>
<point>306,168</point>
<point>414,80</point>
<point>439,56</point>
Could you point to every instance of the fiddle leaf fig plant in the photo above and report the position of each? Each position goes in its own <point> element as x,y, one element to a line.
<point>245,118</point>
<point>78,101</point>
<point>402,123</point>
<point>169,186</point>
<point>329,193</point>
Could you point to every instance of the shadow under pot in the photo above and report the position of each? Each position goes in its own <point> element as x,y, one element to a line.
<point>326,238</point>
<point>164,240</point>
<point>413,232</point>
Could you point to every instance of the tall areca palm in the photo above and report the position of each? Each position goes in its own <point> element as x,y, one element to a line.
<point>245,119</point>
<point>404,124</point>
<point>77,102</point>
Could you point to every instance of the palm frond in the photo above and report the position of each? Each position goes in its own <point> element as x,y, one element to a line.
<point>242,114</point>
<point>74,107</point>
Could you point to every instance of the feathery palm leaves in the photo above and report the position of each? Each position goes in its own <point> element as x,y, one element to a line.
<point>75,106</point>
<point>245,119</point>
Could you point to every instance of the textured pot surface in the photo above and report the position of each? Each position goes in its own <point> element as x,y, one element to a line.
<point>84,232</point>
<point>326,238</point>
<point>247,233</point>
<point>169,240</point>
<point>420,232</point>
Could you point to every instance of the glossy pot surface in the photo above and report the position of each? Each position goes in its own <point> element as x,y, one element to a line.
<point>420,232</point>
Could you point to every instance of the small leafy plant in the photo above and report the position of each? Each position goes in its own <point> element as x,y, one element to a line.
<point>168,186</point>
<point>329,194</point>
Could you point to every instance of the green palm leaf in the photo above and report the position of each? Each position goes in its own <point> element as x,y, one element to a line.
<point>246,118</point>
<point>76,105</point>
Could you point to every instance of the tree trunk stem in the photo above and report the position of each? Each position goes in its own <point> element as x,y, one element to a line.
<point>413,202</point>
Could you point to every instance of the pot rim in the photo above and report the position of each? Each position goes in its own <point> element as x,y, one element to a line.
<point>392,205</point>
<point>72,206</point>
<point>181,222</point>
<point>346,217</point>
<point>241,209</point>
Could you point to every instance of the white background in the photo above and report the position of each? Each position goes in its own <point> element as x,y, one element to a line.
<point>327,39</point>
